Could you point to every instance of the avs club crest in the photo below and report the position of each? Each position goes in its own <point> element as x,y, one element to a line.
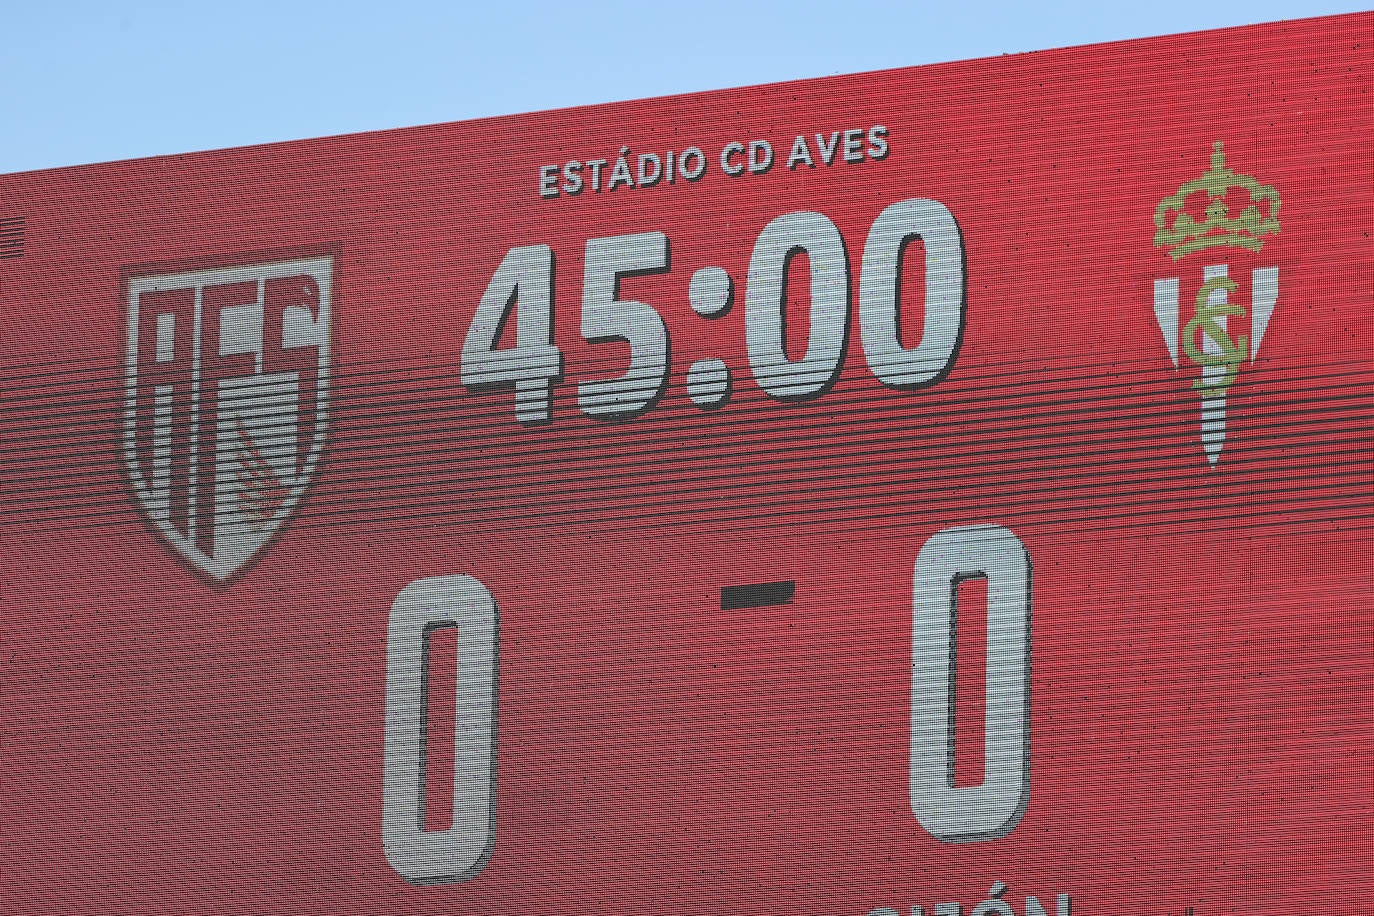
<point>226,403</point>
<point>1224,217</point>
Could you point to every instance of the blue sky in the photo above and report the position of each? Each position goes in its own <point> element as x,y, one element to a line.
<point>88,81</point>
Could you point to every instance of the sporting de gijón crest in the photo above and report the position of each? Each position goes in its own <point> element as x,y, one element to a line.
<point>226,402</point>
<point>1221,213</point>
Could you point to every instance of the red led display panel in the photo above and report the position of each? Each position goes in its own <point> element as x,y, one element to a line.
<point>937,491</point>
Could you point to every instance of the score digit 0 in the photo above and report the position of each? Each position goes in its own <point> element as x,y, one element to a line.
<point>440,856</point>
<point>990,810</point>
<point>949,813</point>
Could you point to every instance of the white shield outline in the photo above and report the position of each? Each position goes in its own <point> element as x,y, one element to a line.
<point>321,269</point>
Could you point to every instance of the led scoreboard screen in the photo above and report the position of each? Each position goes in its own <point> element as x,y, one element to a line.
<point>940,491</point>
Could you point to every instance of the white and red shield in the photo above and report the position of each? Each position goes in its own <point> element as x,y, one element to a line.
<point>226,402</point>
<point>1216,332</point>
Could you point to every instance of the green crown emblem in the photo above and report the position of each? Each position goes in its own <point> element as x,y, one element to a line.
<point>1177,231</point>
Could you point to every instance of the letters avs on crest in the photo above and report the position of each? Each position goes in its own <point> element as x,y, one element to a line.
<point>226,403</point>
